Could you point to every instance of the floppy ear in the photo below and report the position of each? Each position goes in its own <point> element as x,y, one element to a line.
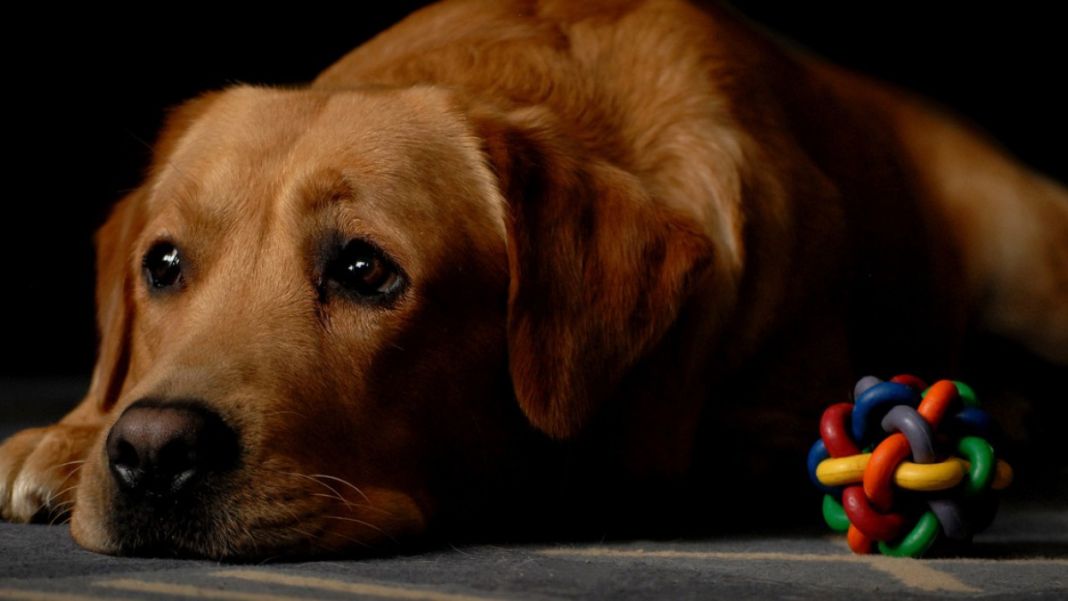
<point>599,270</point>
<point>114,247</point>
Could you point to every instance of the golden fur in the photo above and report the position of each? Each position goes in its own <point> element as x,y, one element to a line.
<point>610,213</point>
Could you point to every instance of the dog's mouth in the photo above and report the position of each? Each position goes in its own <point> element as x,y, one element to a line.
<point>175,479</point>
<point>293,515</point>
<point>178,478</point>
<point>187,523</point>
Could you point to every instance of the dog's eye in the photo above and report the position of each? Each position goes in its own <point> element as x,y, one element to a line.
<point>163,265</point>
<point>362,270</point>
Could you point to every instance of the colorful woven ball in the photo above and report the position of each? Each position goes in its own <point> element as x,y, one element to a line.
<point>905,463</point>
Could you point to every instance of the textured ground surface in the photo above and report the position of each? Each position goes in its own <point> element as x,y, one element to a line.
<point>1023,556</point>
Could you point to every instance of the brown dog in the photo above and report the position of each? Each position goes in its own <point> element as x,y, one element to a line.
<point>324,309</point>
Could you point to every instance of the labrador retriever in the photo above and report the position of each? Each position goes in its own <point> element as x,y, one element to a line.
<point>507,240</point>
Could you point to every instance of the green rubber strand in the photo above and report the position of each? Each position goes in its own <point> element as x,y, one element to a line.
<point>967,394</point>
<point>834,514</point>
<point>917,541</point>
<point>980,455</point>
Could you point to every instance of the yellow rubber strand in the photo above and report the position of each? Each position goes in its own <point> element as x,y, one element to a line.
<point>921,477</point>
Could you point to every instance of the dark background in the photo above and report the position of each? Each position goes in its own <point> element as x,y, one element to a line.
<point>85,93</point>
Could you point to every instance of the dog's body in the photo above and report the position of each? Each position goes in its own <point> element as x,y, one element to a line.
<point>633,218</point>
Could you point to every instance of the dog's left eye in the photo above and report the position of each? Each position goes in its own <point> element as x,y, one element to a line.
<point>362,270</point>
<point>162,265</point>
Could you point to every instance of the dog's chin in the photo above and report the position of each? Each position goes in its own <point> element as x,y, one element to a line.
<point>228,539</point>
<point>229,520</point>
<point>216,543</point>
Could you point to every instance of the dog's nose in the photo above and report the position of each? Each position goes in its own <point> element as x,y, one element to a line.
<point>159,449</point>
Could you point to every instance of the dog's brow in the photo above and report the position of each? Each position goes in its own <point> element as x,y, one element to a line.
<point>325,188</point>
<point>173,183</point>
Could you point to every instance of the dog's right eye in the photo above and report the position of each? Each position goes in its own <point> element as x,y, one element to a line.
<point>364,273</point>
<point>162,265</point>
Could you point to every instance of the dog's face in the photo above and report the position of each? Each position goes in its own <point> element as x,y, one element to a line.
<point>320,309</point>
<point>296,273</point>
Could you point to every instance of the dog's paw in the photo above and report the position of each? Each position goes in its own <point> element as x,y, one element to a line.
<point>39,472</point>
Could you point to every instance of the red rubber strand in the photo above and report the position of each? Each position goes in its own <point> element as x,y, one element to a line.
<point>835,432</point>
<point>911,381</point>
<point>875,525</point>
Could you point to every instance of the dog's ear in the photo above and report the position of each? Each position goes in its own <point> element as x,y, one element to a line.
<point>114,245</point>
<point>115,242</point>
<point>598,270</point>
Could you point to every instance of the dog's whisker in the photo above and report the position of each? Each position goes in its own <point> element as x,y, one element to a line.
<point>292,518</point>
<point>61,512</point>
<point>277,525</point>
<point>315,538</point>
<point>345,482</point>
<point>77,462</point>
<point>347,503</point>
<point>251,538</point>
<point>62,504</point>
<point>361,543</point>
<point>335,495</point>
<point>283,412</point>
<point>362,523</point>
<point>308,536</point>
<point>320,483</point>
<point>68,477</point>
<point>52,496</point>
<point>230,525</point>
<point>351,505</point>
<point>62,509</point>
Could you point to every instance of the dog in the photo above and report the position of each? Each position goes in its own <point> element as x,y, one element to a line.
<point>506,242</point>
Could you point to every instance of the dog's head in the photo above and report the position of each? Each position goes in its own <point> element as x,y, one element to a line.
<point>321,311</point>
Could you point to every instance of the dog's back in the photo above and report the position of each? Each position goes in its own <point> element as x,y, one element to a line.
<point>850,219</point>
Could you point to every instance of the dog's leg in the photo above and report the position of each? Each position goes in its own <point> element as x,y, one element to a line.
<point>1006,224</point>
<point>1010,226</point>
<point>39,467</point>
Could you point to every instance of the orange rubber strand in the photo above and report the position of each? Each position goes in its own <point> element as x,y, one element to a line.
<point>860,544</point>
<point>937,401</point>
<point>879,474</point>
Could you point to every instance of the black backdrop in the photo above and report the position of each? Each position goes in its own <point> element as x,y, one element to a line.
<point>84,94</point>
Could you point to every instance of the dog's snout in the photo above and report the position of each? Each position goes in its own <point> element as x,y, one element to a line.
<point>160,449</point>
